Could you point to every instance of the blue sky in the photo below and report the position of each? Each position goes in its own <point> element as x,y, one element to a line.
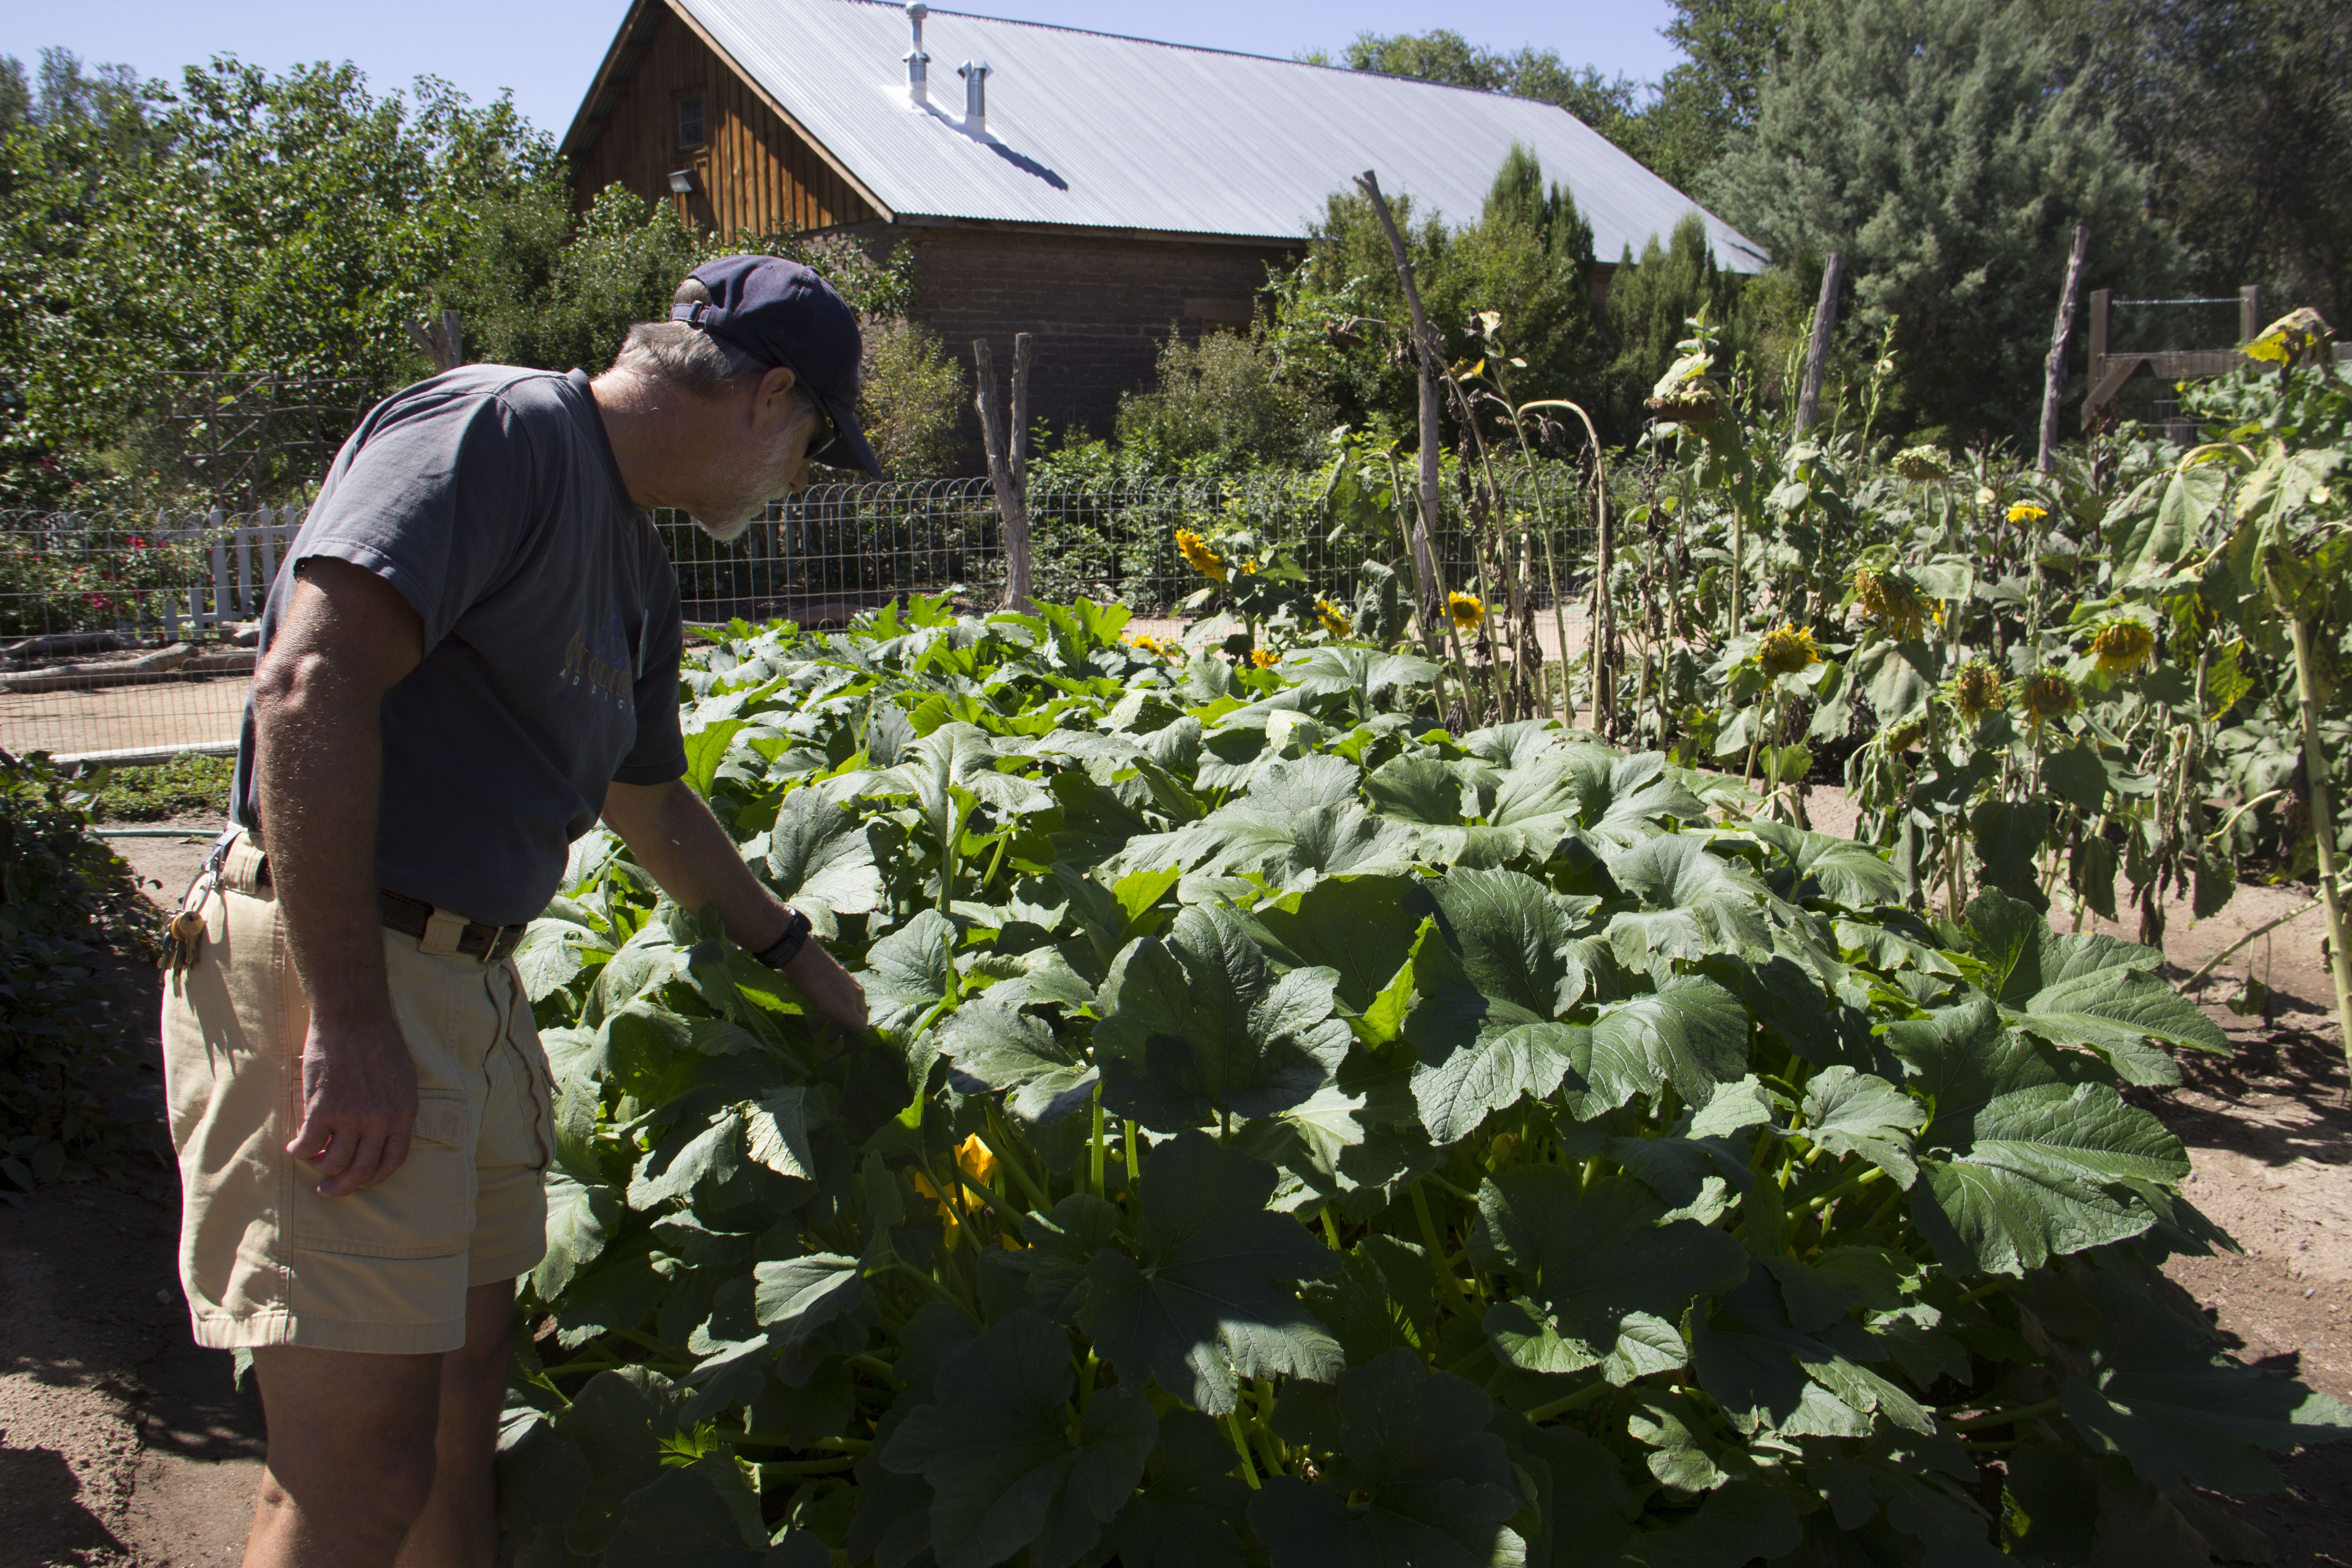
<point>546,49</point>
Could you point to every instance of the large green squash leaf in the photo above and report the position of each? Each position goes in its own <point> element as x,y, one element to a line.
<point>2042,1174</point>
<point>1199,1023</point>
<point>1007,1471</point>
<point>2092,991</point>
<point>820,862</point>
<point>1596,1278</point>
<point>1436,1489</point>
<point>1598,1522</point>
<point>1690,1032</point>
<point>1190,1505</point>
<point>997,1045</point>
<point>1211,1293</point>
<point>1690,903</point>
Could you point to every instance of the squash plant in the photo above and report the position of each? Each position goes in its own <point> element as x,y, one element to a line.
<point>1292,1133</point>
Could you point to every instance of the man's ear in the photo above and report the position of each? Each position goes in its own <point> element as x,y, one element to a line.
<point>771,406</point>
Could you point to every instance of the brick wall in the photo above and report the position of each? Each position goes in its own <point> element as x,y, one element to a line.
<point>1099,308</point>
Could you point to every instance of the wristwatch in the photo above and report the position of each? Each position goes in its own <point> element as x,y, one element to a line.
<point>787,947</point>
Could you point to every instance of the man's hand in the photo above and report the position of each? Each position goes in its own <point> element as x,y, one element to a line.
<point>670,830</point>
<point>828,988</point>
<point>359,1101</point>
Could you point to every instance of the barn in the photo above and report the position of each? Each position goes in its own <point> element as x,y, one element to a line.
<point>1094,189</point>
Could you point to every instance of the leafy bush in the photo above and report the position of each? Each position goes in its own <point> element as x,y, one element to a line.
<point>67,1069</point>
<point>1292,1133</point>
<point>187,786</point>
<point>1221,403</point>
<point>912,399</point>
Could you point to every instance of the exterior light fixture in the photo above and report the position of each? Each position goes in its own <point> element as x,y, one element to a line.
<point>681,181</point>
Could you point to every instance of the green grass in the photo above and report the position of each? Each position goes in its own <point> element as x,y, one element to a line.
<point>187,786</point>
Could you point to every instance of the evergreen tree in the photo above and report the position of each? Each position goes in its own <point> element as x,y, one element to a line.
<point>1942,145</point>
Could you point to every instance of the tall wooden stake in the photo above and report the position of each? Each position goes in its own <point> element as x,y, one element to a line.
<point>1425,352</point>
<point>2054,373</point>
<point>1817,353</point>
<point>1012,505</point>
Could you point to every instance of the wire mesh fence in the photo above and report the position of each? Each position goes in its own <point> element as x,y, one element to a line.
<point>126,635</point>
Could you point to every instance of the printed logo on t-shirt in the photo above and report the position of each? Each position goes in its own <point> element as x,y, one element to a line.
<point>605,668</point>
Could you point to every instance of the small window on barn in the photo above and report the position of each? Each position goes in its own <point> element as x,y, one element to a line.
<point>689,123</point>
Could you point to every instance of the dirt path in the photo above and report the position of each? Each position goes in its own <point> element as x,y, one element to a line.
<point>122,1445</point>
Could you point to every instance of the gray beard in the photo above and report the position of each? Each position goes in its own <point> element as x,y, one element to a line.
<point>725,532</point>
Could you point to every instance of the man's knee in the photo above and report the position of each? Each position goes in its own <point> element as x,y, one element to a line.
<point>351,1440</point>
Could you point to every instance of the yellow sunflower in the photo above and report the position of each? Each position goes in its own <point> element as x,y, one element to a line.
<point>1196,552</point>
<point>1143,642</point>
<point>2026,511</point>
<point>2047,694</point>
<point>1922,463</point>
<point>1891,599</point>
<point>1787,650</point>
<point>2121,645</point>
<point>1975,690</point>
<point>1265,657</point>
<point>1467,611</point>
<point>1333,620</point>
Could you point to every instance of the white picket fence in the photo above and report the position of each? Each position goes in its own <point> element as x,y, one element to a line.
<point>244,553</point>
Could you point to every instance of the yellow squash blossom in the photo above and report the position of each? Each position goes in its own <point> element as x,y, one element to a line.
<point>1787,650</point>
<point>2026,511</point>
<point>1467,611</point>
<point>1333,621</point>
<point>1196,552</point>
<point>2121,645</point>
<point>976,1160</point>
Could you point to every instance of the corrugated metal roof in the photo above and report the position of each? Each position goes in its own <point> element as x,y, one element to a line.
<point>1093,130</point>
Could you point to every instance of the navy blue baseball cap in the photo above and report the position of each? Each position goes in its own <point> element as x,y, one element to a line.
<point>781,313</point>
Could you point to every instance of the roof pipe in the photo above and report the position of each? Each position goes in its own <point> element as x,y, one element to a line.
<point>975,97</point>
<point>919,63</point>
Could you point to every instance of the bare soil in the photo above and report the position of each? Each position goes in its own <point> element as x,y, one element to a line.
<point>122,1444</point>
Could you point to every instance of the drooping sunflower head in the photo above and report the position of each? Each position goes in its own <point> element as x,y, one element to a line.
<point>1334,620</point>
<point>2121,644</point>
<point>1197,553</point>
<point>1921,464</point>
<point>1975,690</point>
<point>2026,511</point>
<point>1692,405</point>
<point>2047,694</point>
<point>1265,657</point>
<point>1892,600</point>
<point>1787,650</point>
<point>1903,734</point>
<point>1466,611</point>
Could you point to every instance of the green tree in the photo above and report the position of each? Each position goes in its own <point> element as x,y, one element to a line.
<point>1614,106</point>
<point>2242,112</point>
<point>1650,300</point>
<point>1945,150</point>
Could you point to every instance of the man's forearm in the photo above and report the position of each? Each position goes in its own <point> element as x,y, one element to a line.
<point>320,770</point>
<point>673,835</point>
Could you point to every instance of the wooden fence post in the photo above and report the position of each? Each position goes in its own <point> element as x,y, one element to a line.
<point>1817,353</point>
<point>2061,335</point>
<point>1425,352</point>
<point>2250,312</point>
<point>1009,501</point>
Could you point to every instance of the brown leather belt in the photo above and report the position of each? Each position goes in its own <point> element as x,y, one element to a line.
<point>413,916</point>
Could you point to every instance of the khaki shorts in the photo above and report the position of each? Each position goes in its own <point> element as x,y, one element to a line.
<point>264,1258</point>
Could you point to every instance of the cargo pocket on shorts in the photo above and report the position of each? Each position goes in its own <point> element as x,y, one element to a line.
<point>424,1209</point>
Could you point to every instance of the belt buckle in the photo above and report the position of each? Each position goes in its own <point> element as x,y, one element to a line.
<point>442,931</point>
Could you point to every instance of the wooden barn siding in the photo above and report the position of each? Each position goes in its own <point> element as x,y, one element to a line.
<point>757,174</point>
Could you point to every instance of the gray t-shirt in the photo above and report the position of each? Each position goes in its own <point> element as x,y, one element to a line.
<point>490,499</point>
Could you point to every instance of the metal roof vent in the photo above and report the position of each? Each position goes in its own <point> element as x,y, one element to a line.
<point>919,64</point>
<point>975,97</point>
